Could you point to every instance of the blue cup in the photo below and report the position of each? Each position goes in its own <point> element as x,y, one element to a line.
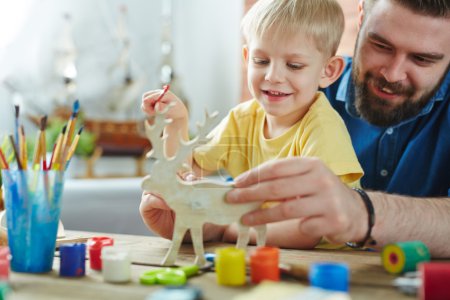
<point>33,204</point>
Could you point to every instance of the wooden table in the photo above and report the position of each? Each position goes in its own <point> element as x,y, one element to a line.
<point>368,278</point>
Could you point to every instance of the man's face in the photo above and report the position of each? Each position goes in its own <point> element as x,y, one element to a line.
<point>400,60</point>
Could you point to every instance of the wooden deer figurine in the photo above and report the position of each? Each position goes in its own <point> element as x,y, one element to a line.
<point>194,202</point>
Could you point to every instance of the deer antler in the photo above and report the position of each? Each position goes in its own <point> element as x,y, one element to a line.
<point>186,148</point>
<point>154,132</point>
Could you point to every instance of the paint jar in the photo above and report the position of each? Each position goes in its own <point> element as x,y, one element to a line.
<point>264,264</point>
<point>33,203</point>
<point>4,263</point>
<point>330,276</point>
<point>230,266</point>
<point>404,256</point>
<point>116,264</point>
<point>73,260</point>
<point>435,280</point>
<point>95,246</point>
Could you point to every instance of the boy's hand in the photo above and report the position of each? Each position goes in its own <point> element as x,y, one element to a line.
<point>157,215</point>
<point>150,105</point>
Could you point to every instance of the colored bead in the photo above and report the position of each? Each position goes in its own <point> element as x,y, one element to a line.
<point>116,264</point>
<point>264,264</point>
<point>404,256</point>
<point>95,246</point>
<point>73,260</point>
<point>230,266</point>
<point>330,276</point>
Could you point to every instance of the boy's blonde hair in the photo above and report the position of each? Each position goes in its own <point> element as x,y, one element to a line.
<point>321,20</point>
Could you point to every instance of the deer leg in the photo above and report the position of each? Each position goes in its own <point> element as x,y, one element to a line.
<point>243,236</point>
<point>261,231</point>
<point>177,239</point>
<point>197,241</point>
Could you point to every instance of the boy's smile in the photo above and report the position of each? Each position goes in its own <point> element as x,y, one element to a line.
<point>274,96</point>
<point>284,75</point>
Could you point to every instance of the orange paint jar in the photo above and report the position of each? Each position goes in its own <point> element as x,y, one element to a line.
<point>264,264</point>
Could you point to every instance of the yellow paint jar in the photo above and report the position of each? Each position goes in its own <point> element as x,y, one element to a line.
<point>230,266</point>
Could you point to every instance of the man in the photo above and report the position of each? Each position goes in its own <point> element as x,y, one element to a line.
<point>394,99</point>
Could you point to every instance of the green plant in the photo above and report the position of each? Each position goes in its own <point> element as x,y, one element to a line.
<point>86,144</point>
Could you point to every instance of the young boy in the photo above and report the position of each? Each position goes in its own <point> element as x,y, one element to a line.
<point>290,51</point>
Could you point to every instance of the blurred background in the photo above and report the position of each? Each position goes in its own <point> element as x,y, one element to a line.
<point>107,53</point>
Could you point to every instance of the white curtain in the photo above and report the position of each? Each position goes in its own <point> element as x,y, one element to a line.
<point>207,54</point>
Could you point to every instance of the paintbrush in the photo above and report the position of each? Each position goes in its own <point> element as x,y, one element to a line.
<point>37,151</point>
<point>3,160</point>
<point>57,149</point>
<point>23,148</point>
<point>67,141</point>
<point>16,152</point>
<point>16,123</point>
<point>71,125</point>
<point>297,271</point>
<point>43,142</point>
<point>164,91</point>
<point>73,147</point>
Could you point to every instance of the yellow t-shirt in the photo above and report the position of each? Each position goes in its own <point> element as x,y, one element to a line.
<point>238,143</point>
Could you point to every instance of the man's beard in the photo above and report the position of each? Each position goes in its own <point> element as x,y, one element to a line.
<point>379,111</point>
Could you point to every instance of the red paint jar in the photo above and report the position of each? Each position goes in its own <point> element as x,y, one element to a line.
<point>4,263</point>
<point>435,280</point>
<point>95,246</point>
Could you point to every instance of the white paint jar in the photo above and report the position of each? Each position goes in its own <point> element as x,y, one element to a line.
<point>116,264</point>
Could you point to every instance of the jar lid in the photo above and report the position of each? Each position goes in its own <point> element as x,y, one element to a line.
<point>330,276</point>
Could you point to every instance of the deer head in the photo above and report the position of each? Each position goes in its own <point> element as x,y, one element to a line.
<point>164,170</point>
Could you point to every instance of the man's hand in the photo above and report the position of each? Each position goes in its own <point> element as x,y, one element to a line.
<point>308,191</point>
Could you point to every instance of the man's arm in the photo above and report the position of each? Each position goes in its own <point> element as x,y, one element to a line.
<point>309,192</point>
<point>402,218</point>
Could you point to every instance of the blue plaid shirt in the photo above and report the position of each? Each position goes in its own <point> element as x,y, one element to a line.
<point>410,158</point>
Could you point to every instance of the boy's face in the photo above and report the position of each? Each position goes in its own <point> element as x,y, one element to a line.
<point>400,59</point>
<point>284,74</point>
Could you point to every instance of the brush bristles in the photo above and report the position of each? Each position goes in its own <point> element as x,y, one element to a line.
<point>81,130</point>
<point>17,110</point>
<point>76,106</point>
<point>43,123</point>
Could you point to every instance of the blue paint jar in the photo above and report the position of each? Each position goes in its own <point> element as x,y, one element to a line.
<point>330,276</point>
<point>73,260</point>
